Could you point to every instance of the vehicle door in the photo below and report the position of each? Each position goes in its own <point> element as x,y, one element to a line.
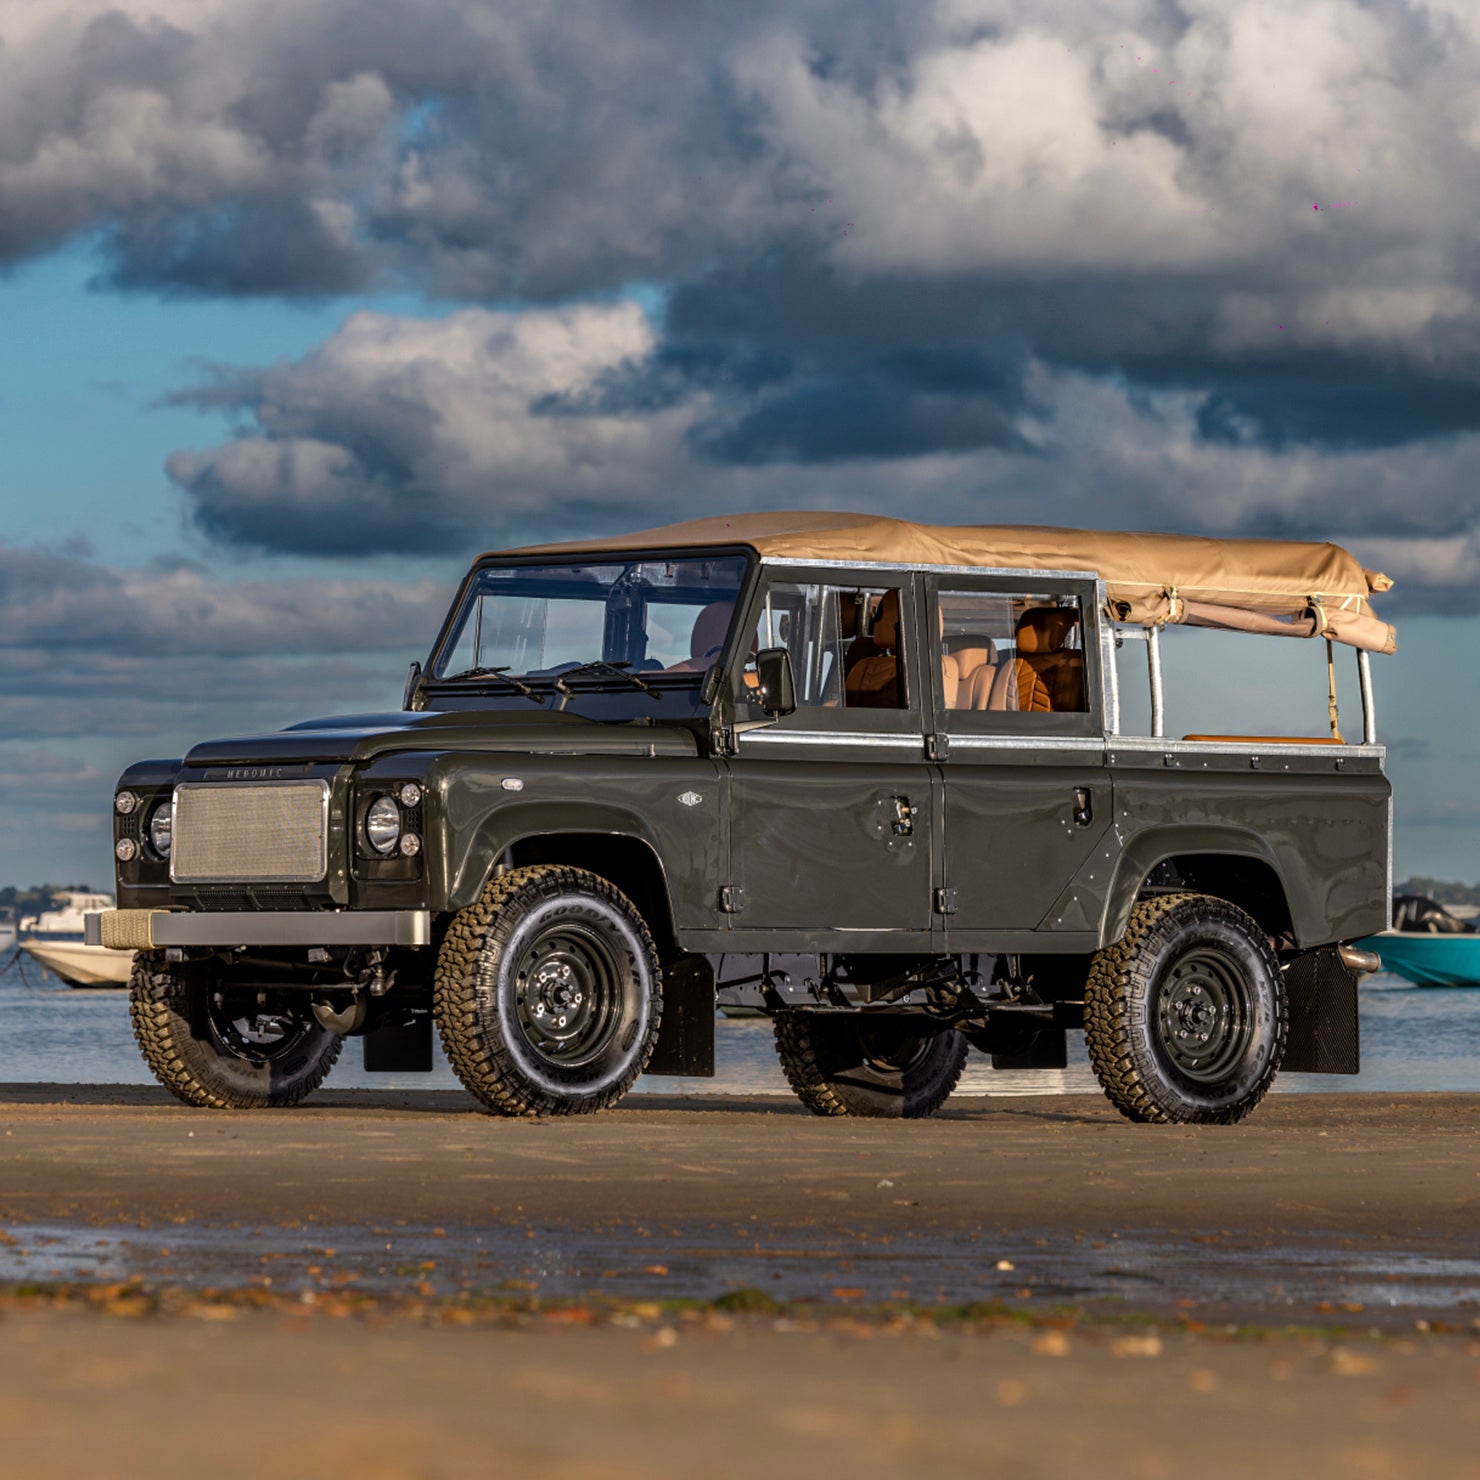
<point>1019,733</point>
<point>831,806</point>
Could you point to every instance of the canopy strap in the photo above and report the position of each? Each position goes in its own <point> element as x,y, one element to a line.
<point>1331,691</point>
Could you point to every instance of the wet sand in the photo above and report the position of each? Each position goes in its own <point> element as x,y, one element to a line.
<point>404,1286</point>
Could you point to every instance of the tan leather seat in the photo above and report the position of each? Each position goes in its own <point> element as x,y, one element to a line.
<point>871,680</point>
<point>969,666</point>
<point>707,637</point>
<point>1046,676</point>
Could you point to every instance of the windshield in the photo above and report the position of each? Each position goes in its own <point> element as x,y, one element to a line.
<point>627,618</point>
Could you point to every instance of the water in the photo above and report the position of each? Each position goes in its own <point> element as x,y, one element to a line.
<point>1412,1039</point>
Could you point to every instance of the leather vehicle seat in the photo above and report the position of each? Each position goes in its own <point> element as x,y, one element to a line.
<point>872,677</point>
<point>1046,676</point>
<point>707,637</point>
<point>972,662</point>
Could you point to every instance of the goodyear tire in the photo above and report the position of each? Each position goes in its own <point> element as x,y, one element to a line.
<point>884,1066</point>
<point>548,996</point>
<point>1185,1016</point>
<point>215,1048</point>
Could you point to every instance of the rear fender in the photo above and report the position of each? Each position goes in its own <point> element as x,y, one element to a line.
<point>1158,845</point>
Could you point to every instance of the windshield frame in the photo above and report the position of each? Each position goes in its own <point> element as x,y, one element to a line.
<point>490,688</point>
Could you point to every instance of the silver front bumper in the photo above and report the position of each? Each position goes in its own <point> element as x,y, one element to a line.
<point>144,930</point>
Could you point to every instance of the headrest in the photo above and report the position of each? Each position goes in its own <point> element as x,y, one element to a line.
<point>849,606</point>
<point>886,622</point>
<point>972,652</point>
<point>710,627</point>
<point>1046,629</point>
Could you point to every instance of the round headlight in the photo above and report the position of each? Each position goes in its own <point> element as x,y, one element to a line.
<point>383,824</point>
<point>161,829</point>
<point>125,848</point>
<point>410,795</point>
<point>124,803</point>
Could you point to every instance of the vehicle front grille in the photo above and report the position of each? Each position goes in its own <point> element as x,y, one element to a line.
<point>270,831</point>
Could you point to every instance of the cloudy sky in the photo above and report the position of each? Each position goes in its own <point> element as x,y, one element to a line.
<point>305,302</point>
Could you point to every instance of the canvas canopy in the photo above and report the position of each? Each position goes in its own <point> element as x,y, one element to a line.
<point>1289,588</point>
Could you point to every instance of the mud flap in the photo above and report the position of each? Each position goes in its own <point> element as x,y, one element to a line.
<point>1041,1048</point>
<point>1325,1037</point>
<point>399,1048</point>
<point>686,1039</point>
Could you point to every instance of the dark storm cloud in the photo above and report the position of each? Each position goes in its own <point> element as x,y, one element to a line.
<point>54,603</point>
<point>968,257</point>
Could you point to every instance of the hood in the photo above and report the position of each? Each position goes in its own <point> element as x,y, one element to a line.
<point>360,737</point>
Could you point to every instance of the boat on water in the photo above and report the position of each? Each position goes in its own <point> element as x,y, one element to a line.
<point>54,939</point>
<point>1428,945</point>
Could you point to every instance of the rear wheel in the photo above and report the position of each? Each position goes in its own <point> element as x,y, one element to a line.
<point>548,996</point>
<point>1185,1016</point>
<point>881,1066</point>
<point>217,1046</point>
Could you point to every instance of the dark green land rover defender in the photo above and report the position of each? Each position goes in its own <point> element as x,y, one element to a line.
<point>877,780</point>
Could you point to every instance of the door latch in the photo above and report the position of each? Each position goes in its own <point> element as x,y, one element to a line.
<point>1084,807</point>
<point>731,899</point>
<point>903,823</point>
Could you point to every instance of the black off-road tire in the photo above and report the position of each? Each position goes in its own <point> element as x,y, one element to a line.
<point>1186,1014</point>
<point>492,1000</point>
<point>187,1043</point>
<point>884,1066</point>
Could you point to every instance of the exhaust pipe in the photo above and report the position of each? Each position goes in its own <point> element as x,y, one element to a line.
<point>1363,963</point>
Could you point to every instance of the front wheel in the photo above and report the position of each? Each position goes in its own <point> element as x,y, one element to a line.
<point>1185,1016</point>
<point>884,1066</point>
<point>217,1046</point>
<point>548,996</point>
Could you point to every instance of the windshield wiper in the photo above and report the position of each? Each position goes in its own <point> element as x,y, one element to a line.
<point>502,674</point>
<point>617,670</point>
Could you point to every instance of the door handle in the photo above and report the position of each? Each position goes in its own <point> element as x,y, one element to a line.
<point>1084,806</point>
<point>902,824</point>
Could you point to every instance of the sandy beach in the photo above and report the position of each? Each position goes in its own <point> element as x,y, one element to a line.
<point>407,1287</point>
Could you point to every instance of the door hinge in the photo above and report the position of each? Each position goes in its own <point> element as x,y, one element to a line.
<point>731,899</point>
<point>945,901</point>
<point>723,740</point>
<point>937,747</point>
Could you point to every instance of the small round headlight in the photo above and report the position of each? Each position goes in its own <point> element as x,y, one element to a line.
<point>125,848</point>
<point>124,803</point>
<point>161,829</point>
<point>383,824</point>
<point>410,795</point>
<point>410,845</point>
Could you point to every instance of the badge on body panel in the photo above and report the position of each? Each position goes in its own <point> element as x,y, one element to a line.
<point>690,798</point>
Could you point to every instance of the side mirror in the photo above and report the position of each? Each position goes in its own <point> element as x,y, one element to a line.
<point>413,680</point>
<point>777,690</point>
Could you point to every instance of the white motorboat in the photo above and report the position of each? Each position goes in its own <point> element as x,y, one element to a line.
<point>54,939</point>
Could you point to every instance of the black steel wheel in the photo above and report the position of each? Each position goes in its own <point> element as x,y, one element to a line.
<point>885,1065</point>
<point>1185,1016</point>
<point>548,996</point>
<point>216,1046</point>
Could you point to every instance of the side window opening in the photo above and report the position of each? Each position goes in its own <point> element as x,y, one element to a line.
<point>1012,652</point>
<point>846,644</point>
<point>1227,685</point>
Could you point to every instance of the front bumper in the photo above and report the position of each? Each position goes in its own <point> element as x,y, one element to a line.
<point>145,930</point>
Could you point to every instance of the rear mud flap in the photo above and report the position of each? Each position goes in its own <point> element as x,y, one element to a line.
<point>1325,1037</point>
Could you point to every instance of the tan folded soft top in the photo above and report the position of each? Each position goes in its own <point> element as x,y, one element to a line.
<point>1292,588</point>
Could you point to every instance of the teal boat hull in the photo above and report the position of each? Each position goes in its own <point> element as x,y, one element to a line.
<point>1428,960</point>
